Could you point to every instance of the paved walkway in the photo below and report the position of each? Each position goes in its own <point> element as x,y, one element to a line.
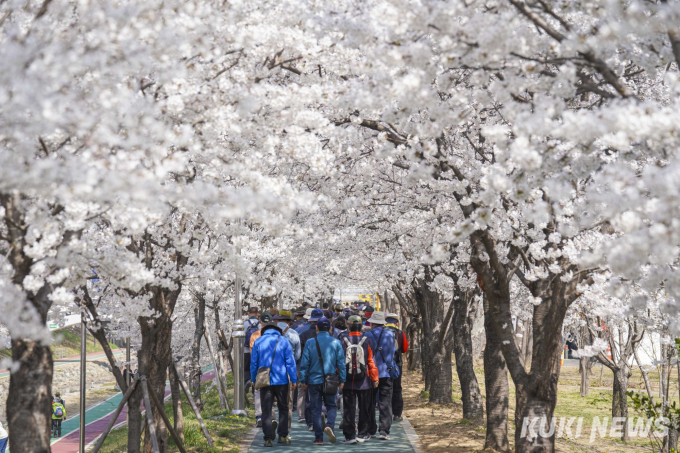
<point>402,440</point>
<point>97,418</point>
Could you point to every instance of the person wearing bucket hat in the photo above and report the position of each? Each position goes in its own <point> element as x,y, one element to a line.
<point>308,324</point>
<point>382,341</point>
<point>250,325</point>
<point>299,319</point>
<point>401,348</point>
<point>322,356</point>
<point>274,352</point>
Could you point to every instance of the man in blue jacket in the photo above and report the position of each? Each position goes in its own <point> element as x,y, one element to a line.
<point>273,350</point>
<point>312,377</point>
<point>382,344</point>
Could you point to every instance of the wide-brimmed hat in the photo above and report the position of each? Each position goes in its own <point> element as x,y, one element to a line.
<point>308,313</point>
<point>378,317</point>
<point>284,315</point>
<point>316,315</point>
<point>394,316</point>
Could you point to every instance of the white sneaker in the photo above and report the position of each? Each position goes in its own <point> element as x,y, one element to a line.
<point>361,440</point>
<point>331,435</point>
<point>350,441</point>
<point>384,436</point>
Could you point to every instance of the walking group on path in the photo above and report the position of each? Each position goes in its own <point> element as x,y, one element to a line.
<point>348,360</point>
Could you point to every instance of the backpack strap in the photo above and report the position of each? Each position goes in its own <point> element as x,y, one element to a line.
<point>274,354</point>
<point>347,342</point>
<point>361,343</point>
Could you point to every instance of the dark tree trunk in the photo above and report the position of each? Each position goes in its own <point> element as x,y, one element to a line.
<point>153,359</point>
<point>536,391</point>
<point>437,339</point>
<point>620,399</point>
<point>497,391</point>
<point>199,330</point>
<point>30,398</point>
<point>30,386</point>
<point>463,318</point>
<point>178,416</point>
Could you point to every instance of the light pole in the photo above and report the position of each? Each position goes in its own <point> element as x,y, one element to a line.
<point>83,376</point>
<point>239,336</point>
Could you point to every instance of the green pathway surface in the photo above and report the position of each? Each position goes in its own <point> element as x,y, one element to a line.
<point>302,441</point>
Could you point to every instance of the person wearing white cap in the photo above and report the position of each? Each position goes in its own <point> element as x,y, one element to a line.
<point>305,327</point>
<point>382,343</point>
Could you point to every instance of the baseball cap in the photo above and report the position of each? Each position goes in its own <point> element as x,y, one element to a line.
<point>323,323</point>
<point>355,319</point>
<point>308,313</point>
<point>316,315</point>
<point>266,317</point>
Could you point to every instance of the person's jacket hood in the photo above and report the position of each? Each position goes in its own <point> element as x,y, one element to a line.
<point>333,359</point>
<point>283,370</point>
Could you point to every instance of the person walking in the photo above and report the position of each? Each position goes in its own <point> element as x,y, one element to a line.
<point>284,319</point>
<point>299,319</point>
<point>382,342</point>
<point>265,318</point>
<point>322,356</point>
<point>250,326</point>
<point>304,405</point>
<point>273,352</point>
<point>4,437</point>
<point>361,378</point>
<point>308,314</point>
<point>58,414</point>
<point>401,346</point>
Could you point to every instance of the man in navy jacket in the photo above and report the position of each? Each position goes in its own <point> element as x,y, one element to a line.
<point>273,350</point>
<point>382,344</point>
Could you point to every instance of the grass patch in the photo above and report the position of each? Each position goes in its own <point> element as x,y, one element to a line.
<point>424,394</point>
<point>226,430</point>
<point>66,343</point>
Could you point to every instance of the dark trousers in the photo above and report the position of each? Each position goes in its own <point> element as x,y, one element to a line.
<point>397,397</point>
<point>318,398</point>
<point>267,395</point>
<point>349,402</point>
<point>384,406</point>
<point>56,427</point>
<point>246,367</point>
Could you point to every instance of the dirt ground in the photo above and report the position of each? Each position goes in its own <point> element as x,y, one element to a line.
<point>443,429</point>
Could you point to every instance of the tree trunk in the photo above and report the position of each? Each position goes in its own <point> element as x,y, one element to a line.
<point>497,391</point>
<point>195,373</point>
<point>440,389</point>
<point>533,420</point>
<point>30,398</point>
<point>670,442</point>
<point>437,341</point>
<point>153,363</point>
<point>585,365</point>
<point>464,315</point>
<point>135,416</point>
<point>175,390</point>
<point>415,353</point>
<point>620,399</point>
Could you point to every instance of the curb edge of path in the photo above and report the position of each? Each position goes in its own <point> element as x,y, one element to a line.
<point>411,434</point>
<point>247,442</point>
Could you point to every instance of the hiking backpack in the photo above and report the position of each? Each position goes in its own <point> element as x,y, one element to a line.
<point>252,328</point>
<point>58,411</point>
<point>355,360</point>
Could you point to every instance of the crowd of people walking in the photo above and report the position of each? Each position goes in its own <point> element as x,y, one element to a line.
<point>318,362</point>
